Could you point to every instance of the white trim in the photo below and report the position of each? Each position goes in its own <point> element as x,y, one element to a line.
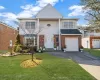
<point>71,34</point>
<point>70,19</point>
<point>59,35</point>
<point>38,24</point>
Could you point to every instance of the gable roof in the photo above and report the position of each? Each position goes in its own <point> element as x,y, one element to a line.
<point>48,12</point>
<point>70,31</point>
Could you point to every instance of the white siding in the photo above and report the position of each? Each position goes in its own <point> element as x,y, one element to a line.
<point>53,29</point>
<point>49,32</point>
<point>49,12</point>
<point>86,42</point>
<point>22,28</point>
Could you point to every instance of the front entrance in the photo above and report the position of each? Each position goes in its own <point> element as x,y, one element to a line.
<point>49,41</point>
<point>71,44</point>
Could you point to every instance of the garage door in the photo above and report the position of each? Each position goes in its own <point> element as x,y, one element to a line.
<point>96,43</point>
<point>71,44</point>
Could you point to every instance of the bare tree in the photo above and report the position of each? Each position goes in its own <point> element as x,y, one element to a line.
<point>32,32</point>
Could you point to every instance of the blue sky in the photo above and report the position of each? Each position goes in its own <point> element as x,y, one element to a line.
<point>12,9</point>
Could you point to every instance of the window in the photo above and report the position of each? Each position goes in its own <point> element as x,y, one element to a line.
<point>71,25</point>
<point>30,25</point>
<point>29,41</point>
<point>68,25</point>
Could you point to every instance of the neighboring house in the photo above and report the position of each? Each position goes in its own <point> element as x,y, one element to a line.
<point>50,29</point>
<point>91,37</point>
<point>7,36</point>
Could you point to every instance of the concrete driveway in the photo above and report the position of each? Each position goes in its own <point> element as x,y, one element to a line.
<point>90,63</point>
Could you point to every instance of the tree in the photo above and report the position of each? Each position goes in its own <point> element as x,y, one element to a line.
<point>93,13</point>
<point>32,31</point>
<point>17,39</point>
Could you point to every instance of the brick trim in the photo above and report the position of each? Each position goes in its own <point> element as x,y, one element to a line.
<point>91,38</point>
<point>70,36</point>
<point>56,43</point>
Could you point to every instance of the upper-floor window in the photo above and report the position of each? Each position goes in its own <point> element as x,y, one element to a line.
<point>30,25</point>
<point>68,25</point>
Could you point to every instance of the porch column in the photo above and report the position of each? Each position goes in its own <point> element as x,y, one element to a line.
<point>59,35</point>
<point>38,24</point>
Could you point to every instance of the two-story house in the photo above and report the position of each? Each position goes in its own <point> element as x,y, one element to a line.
<point>91,37</point>
<point>49,29</point>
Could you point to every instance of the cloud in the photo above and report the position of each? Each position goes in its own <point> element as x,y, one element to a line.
<point>29,10</point>
<point>1,7</point>
<point>77,10</point>
<point>43,3</point>
<point>9,15</point>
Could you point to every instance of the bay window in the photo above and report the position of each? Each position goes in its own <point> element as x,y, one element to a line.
<point>69,25</point>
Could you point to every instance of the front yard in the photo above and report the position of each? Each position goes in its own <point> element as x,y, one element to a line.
<point>3,51</point>
<point>52,68</point>
<point>94,52</point>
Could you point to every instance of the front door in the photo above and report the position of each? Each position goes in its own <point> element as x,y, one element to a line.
<point>49,41</point>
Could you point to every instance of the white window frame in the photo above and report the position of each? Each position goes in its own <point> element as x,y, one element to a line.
<point>68,24</point>
<point>30,25</point>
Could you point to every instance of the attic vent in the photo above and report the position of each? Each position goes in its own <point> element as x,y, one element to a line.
<point>48,25</point>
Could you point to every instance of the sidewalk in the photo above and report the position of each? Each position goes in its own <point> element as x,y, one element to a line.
<point>94,70</point>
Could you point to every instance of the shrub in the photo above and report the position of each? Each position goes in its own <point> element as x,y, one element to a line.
<point>17,48</point>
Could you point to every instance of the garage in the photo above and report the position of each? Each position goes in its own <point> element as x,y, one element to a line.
<point>96,43</point>
<point>71,44</point>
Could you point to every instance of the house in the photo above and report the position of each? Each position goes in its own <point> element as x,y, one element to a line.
<point>91,37</point>
<point>49,29</point>
<point>7,36</point>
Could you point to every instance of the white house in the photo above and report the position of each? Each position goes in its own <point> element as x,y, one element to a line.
<point>91,37</point>
<point>50,29</point>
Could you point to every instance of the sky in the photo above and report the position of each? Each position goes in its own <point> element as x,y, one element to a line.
<point>10,10</point>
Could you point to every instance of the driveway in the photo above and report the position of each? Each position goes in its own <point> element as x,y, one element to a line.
<point>90,63</point>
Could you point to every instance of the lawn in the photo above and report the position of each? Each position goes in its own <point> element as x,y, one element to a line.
<point>52,68</point>
<point>3,51</point>
<point>93,52</point>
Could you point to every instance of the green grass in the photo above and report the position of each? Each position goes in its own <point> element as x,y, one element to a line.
<point>3,51</point>
<point>52,68</point>
<point>93,52</point>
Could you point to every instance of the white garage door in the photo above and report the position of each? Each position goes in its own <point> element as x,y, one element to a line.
<point>96,43</point>
<point>71,44</point>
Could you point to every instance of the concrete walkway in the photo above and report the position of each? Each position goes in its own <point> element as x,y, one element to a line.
<point>90,63</point>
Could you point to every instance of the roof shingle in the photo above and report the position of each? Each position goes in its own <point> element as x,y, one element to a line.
<point>70,31</point>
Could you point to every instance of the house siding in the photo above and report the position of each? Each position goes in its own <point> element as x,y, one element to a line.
<point>7,34</point>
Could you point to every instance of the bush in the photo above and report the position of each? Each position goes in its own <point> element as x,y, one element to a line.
<point>17,48</point>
